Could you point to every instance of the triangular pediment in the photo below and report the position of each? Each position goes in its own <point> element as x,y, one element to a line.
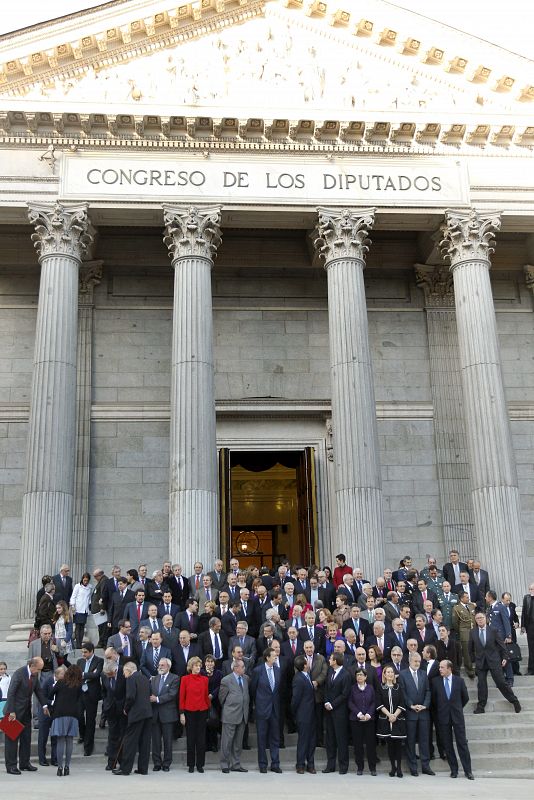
<point>282,56</point>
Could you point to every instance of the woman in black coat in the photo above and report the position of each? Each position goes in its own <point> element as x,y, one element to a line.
<point>391,721</point>
<point>66,696</point>
<point>214,682</point>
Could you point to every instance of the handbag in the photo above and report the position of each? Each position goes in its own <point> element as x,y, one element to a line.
<point>213,720</point>
<point>514,651</point>
<point>34,634</point>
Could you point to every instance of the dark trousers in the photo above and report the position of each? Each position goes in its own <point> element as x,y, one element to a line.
<point>434,723</point>
<point>530,642</point>
<point>136,740</point>
<point>87,721</point>
<point>305,744</point>
<point>500,683</point>
<point>395,752</point>
<point>103,634</point>
<point>337,740</point>
<point>417,732</point>
<point>195,732</point>
<point>42,739</point>
<point>461,743</point>
<point>162,734</point>
<point>79,629</point>
<point>319,723</point>
<point>116,730</point>
<point>364,733</point>
<point>268,732</point>
<point>20,748</point>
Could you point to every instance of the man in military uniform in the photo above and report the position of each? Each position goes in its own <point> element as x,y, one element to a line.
<point>446,602</point>
<point>463,620</point>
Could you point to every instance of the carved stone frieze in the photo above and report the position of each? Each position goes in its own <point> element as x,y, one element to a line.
<point>60,229</point>
<point>437,285</point>
<point>192,231</point>
<point>529,276</point>
<point>343,233</point>
<point>469,235</point>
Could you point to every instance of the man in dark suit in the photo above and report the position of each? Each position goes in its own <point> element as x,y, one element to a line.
<point>63,583</point>
<point>111,585</point>
<point>327,591</point>
<point>423,593</point>
<point>450,696</point>
<point>416,690</point>
<point>511,611</point>
<point>230,619</point>
<point>44,720</point>
<point>138,710</point>
<point>265,690</point>
<point>214,641</point>
<point>163,696</point>
<point>317,668</point>
<point>123,642</point>
<point>527,625</point>
<point>167,606</point>
<point>488,653</point>
<point>218,575</point>
<point>151,656</point>
<point>181,654</point>
<point>310,632</point>
<point>423,634</point>
<point>360,626</point>
<point>91,667</point>
<point>152,620</point>
<point>302,584</point>
<point>247,612</point>
<point>303,712</point>
<point>137,611</point>
<point>499,619</point>
<point>466,585</point>
<point>119,601</point>
<point>188,620</point>
<point>338,686</point>
<point>113,697</point>
<point>179,587</point>
<point>294,645</point>
<point>453,568</point>
<point>480,577</point>
<point>24,684</point>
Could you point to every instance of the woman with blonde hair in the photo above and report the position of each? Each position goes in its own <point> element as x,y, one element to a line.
<point>194,704</point>
<point>63,630</point>
<point>391,724</point>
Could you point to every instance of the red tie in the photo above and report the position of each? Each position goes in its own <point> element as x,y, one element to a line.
<point>294,646</point>
<point>422,636</point>
<point>424,596</point>
<point>197,582</point>
<point>139,607</point>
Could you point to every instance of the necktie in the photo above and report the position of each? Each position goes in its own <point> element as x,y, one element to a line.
<point>167,609</point>
<point>217,648</point>
<point>208,595</point>
<point>415,680</point>
<point>125,646</point>
<point>310,634</point>
<point>190,622</point>
<point>63,580</point>
<point>424,596</point>
<point>154,626</point>
<point>139,609</point>
<point>144,645</point>
<point>401,641</point>
<point>270,675</point>
<point>161,684</point>
<point>241,641</point>
<point>310,662</point>
<point>422,635</point>
<point>197,583</point>
<point>294,646</point>
<point>447,688</point>
<point>112,684</point>
<point>240,682</point>
<point>156,657</point>
<point>245,609</point>
<point>477,577</point>
<point>483,637</point>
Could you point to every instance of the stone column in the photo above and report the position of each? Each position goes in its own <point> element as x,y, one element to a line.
<point>61,238</point>
<point>452,459</point>
<point>90,276</point>
<point>468,243</point>
<point>341,239</point>
<point>192,236</point>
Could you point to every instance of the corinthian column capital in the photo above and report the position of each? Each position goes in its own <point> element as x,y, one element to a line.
<point>469,235</point>
<point>60,229</point>
<point>191,231</point>
<point>437,285</point>
<point>343,233</point>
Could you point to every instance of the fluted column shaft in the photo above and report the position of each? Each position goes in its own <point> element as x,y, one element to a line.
<point>468,243</point>
<point>192,236</point>
<point>61,238</point>
<point>341,240</point>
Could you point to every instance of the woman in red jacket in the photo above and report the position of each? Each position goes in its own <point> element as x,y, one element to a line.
<point>194,705</point>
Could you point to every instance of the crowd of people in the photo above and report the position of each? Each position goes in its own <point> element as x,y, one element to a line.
<point>326,654</point>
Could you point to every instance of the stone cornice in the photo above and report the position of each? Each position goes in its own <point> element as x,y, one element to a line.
<point>136,33</point>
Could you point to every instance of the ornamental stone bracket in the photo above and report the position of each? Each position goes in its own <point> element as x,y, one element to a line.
<point>343,234</point>
<point>90,276</point>
<point>191,231</point>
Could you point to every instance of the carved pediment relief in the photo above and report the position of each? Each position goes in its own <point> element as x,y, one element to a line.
<point>271,63</point>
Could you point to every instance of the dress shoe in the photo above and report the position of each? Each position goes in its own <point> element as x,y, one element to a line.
<point>156,768</point>
<point>373,773</point>
<point>80,739</point>
<point>138,772</point>
<point>277,770</point>
<point>60,772</point>
<point>54,764</point>
<point>399,773</point>
<point>327,770</point>
<point>414,773</point>
<point>13,771</point>
<point>88,752</point>
<point>392,773</point>
<point>343,771</point>
<point>359,772</point>
<point>200,769</point>
<point>166,769</point>
<point>108,767</point>
<point>427,771</point>
<point>469,776</point>
<point>44,763</point>
<point>246,747</point>
<point>517,706</point>
<point>226,771</point>
<point>119,772</point>
<point>102,723</point>
<point>263,770</point>
<point>311,770</point>
<point>300,770</point>
<point>29,768</point>
<point>190,769</point>
<point>239,769</point>
<point>454,774</point>
<point>479,710</point>
<point>66,771</point>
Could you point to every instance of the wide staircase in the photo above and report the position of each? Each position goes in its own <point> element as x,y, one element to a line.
<point>501,742</point>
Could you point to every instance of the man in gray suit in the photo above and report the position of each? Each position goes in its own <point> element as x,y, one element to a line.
<point>163,696</point>
<point>234,700</point>
<point>247,643</point>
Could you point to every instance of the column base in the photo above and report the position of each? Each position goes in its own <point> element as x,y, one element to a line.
<point>20,631</point>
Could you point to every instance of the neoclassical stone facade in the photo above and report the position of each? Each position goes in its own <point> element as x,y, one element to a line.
<point>278,333</point>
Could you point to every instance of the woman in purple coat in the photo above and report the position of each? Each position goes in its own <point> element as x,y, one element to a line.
<point>362,705</point>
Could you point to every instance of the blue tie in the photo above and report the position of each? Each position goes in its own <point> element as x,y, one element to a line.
<point>270,675</point>
<point>217,649</point>
<point>447,688</point>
